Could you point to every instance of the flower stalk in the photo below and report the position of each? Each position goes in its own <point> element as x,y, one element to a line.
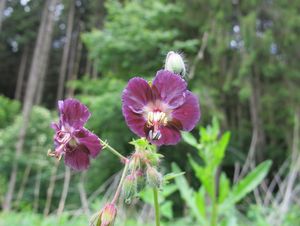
<point>156,207</point>
<point>214,213</point>
<point>113,151</point>
<point>118,191</point>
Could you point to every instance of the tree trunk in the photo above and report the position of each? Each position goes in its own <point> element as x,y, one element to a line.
<point>94,70</point>
<point>41,48</point>
<point>256,114</point>
<point>82,193</point>
<point>21,73</point>
<point>41,83</point>
<point>64,62</point>
<point>40,89</point>
<point>65,190</point>
<point>2,7</point>
<point>51,188</point>
<point>88,67</point>
<point>37,188</point>
<point>23,185</point>
<point>75,70</point>
<point>72,61</point>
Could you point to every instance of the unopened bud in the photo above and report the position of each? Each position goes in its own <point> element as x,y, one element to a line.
<point>129,187</point>
<point>174,63</point>
<point>135,161</point>
<point>107,215</point>
<point>154,178</point>
<point>140,180</point>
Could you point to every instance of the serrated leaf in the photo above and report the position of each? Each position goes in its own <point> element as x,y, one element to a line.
<point>204,174</point>
<point>250,182</point>
<point>221,147</point>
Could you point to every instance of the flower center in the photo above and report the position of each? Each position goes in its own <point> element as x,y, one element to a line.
<point>63,139</point>
<point>155,119</point>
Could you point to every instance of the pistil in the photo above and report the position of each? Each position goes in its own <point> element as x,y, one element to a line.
<point>63,138</point>
<point>154,121</point>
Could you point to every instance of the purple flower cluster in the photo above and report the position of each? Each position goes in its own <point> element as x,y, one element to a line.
<point>72,140</point>
<point>159,110</point>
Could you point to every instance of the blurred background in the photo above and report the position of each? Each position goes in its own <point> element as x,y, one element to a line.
<point>242,61</point>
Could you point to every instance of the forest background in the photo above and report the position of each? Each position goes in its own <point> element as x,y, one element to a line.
<point>243,64</point>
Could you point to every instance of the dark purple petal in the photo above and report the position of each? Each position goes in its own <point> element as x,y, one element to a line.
<point>171,88</point>
<point>89,140</point>
<point>78,159</point>
<point>188,113</point>
<point>73,113</point>
<point>135,122</point>
<point>169,136</point>
<point>137,94</point>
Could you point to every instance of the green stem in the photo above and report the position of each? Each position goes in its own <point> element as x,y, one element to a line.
<point>114,151</point>
<point>121,182</point>
<point>214,212</point>
<point>156,206</point>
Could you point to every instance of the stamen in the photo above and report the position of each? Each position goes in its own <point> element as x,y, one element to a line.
<point>154,135</point>
<point>54,154</point>
<point>157,117</point>
<point>155,120</point>
<point>50,153</point>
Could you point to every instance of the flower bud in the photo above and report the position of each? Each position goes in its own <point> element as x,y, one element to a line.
<point>140,180</point>
<point>107,215</point>
<point>174,63</point>
<point>135,161</point>
<point>129,187</point>
<point>154,178</point>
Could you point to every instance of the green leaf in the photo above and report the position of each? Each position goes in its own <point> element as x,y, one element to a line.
<point>250,182</point>
<point>200,201</point>
<point>205,175</point>
<point>188,195</point>
<point>189,138</point>
<point>224,187</point>
<point>171,176</point>
<point>168,190</point>
<point>166,209</point>
<point>221,147</point>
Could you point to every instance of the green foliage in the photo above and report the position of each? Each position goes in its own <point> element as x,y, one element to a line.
<point>220,209</point>
<point>135,31</point>
<point>165,205</point>
<point>261,58</point>
<point>8,111</point>
<point>249,182</point>
<point>37,141</point>
<point>38,138</point>
<point>26,218</point>
<point>189,197</point>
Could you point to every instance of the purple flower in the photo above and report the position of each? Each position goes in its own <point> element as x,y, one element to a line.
<point>72,140</point>
<point>158,111</point>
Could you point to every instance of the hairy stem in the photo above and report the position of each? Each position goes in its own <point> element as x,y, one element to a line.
<point>118,191</point>
<point>112,150</point>
<point>156,206</point>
